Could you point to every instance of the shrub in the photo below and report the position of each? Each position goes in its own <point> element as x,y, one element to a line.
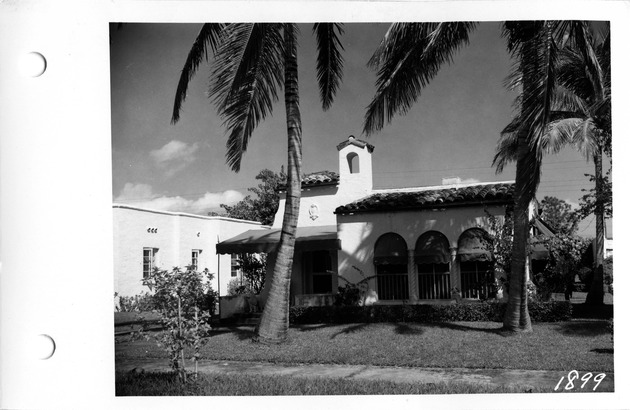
<point>552,311</point>
<point>138,303</point>
<point>235,288</point>
<point>353,294</point>
<point>608,273</point>
<point>348,295</point>
<point>185,301</point>
<point>612,330</point>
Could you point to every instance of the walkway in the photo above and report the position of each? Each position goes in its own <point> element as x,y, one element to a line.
<point>516,378</point>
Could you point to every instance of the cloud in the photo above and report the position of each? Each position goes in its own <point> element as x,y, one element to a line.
<point>471,181</point>
<point>574,205</point>
<point>142,196</point>
<point>174,156</point>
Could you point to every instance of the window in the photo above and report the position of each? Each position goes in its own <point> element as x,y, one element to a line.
<point>236,265</point>
<point>194,260</point>
<point>322,272</point>
<point>148,261</point>
<point>353,162</point>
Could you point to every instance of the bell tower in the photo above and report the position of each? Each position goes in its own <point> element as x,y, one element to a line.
<point>355,166</point>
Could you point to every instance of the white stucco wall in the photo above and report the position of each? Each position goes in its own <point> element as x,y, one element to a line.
<point>176,236</point>
<point>323,200</point>
<point>359,232</point>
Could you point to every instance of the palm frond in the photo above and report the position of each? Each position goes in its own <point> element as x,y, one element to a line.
<point>532,42</point>
<point>560,133</point>
<point>246,76</point>
<point>584,138</point>
<point>584,43</point>
<point>507,147</point>
<point>567,102</point>
<point>329,60</point>
<point>407,59</point>
<point>209,35</point>
<point>573,74</point>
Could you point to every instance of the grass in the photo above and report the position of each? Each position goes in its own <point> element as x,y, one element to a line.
<point>580,345</point>
<point>167,384</point>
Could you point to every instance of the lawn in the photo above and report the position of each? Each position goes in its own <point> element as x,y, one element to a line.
<point>167,384</point>
<point>583,345</point>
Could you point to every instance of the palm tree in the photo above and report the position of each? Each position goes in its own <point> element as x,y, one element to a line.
<point>252,60</point>
<point>411,54</point>
<point>581,118</point>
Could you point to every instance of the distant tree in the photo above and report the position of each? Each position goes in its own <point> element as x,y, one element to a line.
<point>592,199</point>
<point>565,255</point>
<point>264,206</point>
<point>558,214</point>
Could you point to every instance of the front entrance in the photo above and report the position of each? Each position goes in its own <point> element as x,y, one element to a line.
<point>318,273</point>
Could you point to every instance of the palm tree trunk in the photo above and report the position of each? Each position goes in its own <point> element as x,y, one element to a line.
<point>274,322</point>
<point>596,292</point>
<point>516,314</point>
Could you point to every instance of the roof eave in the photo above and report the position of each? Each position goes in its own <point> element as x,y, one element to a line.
<point>506,202</point>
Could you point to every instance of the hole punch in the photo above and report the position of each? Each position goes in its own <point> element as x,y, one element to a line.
<point>33,64</point>
<point>45,347</point>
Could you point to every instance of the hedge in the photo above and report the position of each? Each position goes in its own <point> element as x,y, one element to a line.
<point>552,311</point>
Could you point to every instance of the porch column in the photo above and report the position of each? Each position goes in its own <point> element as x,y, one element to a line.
<point>455,273</point>
<point>412,274</point>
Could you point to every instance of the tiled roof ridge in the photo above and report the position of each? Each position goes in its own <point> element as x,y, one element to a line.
<point>438,187</point>
<point>431,197</point>
<point>357,142</point>
<point>318,178</point>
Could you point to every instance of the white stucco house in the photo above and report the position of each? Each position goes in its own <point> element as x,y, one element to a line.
<point>411,245</point>
<point>417,244</point>
<point>146,238</point>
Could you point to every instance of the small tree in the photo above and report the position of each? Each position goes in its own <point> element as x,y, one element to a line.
<point>565,254</point>
<point>254,268</point>
<point>502,236</point>
<point>185,301</point>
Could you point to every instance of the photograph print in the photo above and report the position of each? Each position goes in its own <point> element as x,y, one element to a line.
<point>412,208</point>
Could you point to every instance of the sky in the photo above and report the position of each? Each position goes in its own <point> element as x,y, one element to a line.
<point>451,131</point>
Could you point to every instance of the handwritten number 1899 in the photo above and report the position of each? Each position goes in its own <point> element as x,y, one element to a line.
<point>574,375</point>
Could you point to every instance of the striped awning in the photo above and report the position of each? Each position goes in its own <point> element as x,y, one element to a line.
<point>266,240</point>
<point>475,245</point>
<point>432,247</point>
<point>390,249</point>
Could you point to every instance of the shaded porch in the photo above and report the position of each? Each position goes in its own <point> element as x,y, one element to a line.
<point>314,277</point>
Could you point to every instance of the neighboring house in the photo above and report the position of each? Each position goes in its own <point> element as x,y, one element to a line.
<point>417,245</point>
<point>145,238</point>
<point>608,238</point>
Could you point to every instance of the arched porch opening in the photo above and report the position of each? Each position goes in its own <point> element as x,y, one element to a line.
<point>390,260</point>
<point>432,257</point>
<point>476,262</point>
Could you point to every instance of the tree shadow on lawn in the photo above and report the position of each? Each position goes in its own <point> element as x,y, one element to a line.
<point>404,328</point>
<point>243,333</point>
<point>350,329</point>
<point>310,327</point>
<point>583,328</point>
<point>457,326</point>
<point>399,328</point>
<point>605,351</point>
